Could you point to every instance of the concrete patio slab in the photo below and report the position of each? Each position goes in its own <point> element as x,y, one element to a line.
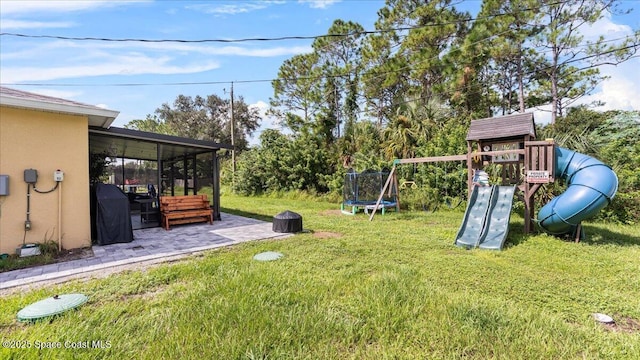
<point>152,245</point>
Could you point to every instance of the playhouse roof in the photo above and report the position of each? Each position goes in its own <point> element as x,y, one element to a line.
<point>509,126</point>
<point>26,100</point>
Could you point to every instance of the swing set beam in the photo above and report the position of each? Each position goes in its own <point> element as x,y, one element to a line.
<point>467,157</point>
<point>420,160</point>
<point>456,157</point>
<point>430,159</point>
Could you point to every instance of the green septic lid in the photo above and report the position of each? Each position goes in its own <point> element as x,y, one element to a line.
<point>268,256</point>
<point>51,306</point>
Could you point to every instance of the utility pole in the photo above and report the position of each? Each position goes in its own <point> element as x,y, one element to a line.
<point>233,145</point>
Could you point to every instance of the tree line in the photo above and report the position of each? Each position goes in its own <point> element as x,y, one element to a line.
<point>362,98</point>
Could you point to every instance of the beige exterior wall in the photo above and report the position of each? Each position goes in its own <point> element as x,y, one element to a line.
<point>46,142</point>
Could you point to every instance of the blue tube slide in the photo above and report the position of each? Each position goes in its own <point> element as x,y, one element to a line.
<point>591,186</point>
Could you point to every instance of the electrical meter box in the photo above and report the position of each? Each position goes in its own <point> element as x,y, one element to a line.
<point>31,176</point>
<point>58,175</point>
<point>4,185</point>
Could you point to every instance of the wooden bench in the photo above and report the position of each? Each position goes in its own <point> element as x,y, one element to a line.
<point>184,210</point>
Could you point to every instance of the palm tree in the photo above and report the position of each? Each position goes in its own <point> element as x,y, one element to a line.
<point>399,140</point>
<point>413,124</point>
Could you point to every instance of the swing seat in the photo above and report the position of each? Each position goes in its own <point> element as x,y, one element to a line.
<point>408,184</point>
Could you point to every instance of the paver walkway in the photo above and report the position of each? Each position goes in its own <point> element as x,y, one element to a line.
<point>149,245</point>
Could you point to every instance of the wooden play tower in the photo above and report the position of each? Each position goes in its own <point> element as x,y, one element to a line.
<point>509,141</point>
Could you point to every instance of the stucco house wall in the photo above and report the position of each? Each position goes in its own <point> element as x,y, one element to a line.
<point>46,141</point>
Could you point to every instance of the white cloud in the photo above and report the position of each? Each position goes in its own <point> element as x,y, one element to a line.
<point>233,8</point>
<point>23,24</point>
<point>106,49</point>
<point>69,59</point>
<point>605,27</point>
<point>319,4</point>
<point>227,9</point>
<point>268,122</point>
<point>266,52</point>
<point>622,90</point>
<point>122,65</point>
<point>30,7</point>
<point>224,50</point>
<point>541,114</point>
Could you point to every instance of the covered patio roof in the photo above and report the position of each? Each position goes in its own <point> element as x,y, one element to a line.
<point>142,145</point>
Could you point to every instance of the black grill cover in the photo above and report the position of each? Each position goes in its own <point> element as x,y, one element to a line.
<point>287,222</point>
<point>113,217</point>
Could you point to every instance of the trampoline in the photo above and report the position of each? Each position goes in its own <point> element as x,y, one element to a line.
<point>361,191</point>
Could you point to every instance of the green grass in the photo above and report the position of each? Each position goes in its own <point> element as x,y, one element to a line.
<point>394,288</point>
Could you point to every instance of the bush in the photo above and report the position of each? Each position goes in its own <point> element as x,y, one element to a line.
<point>419,198</point>
<point>284,164</point>
<point>624,209</point>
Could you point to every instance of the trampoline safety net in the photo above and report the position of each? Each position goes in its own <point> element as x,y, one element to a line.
<point>365,187</point>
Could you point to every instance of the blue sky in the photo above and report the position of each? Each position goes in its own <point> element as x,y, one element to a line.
<point>96,64</point>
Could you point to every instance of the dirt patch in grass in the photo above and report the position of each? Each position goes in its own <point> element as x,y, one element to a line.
<point>624,324</point>
<point>326,235</point>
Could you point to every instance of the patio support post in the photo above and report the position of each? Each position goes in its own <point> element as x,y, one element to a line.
<point>173,178</point>
<point>185,174</point>
<point>215,169</point>
<point>194,171</point>
<point>123,178</point>
<point>159,169</point>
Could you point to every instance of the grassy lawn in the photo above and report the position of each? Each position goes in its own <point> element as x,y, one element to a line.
<point>353,289</point>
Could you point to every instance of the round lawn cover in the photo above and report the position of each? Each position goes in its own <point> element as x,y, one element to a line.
<point>287,222</point>
<point>51,306</point>
<point>268,256</point>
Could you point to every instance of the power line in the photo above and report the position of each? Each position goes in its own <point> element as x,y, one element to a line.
<point>280,38</point>
<point>354,72</point>
<point>318,77</point>
<point>141,84</point>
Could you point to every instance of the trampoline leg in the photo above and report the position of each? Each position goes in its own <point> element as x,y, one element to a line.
<point>351,212</point>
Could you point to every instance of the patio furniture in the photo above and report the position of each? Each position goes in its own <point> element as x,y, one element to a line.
<point>148,210</point>
<point>185,209</point>
<point>287,222</point>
